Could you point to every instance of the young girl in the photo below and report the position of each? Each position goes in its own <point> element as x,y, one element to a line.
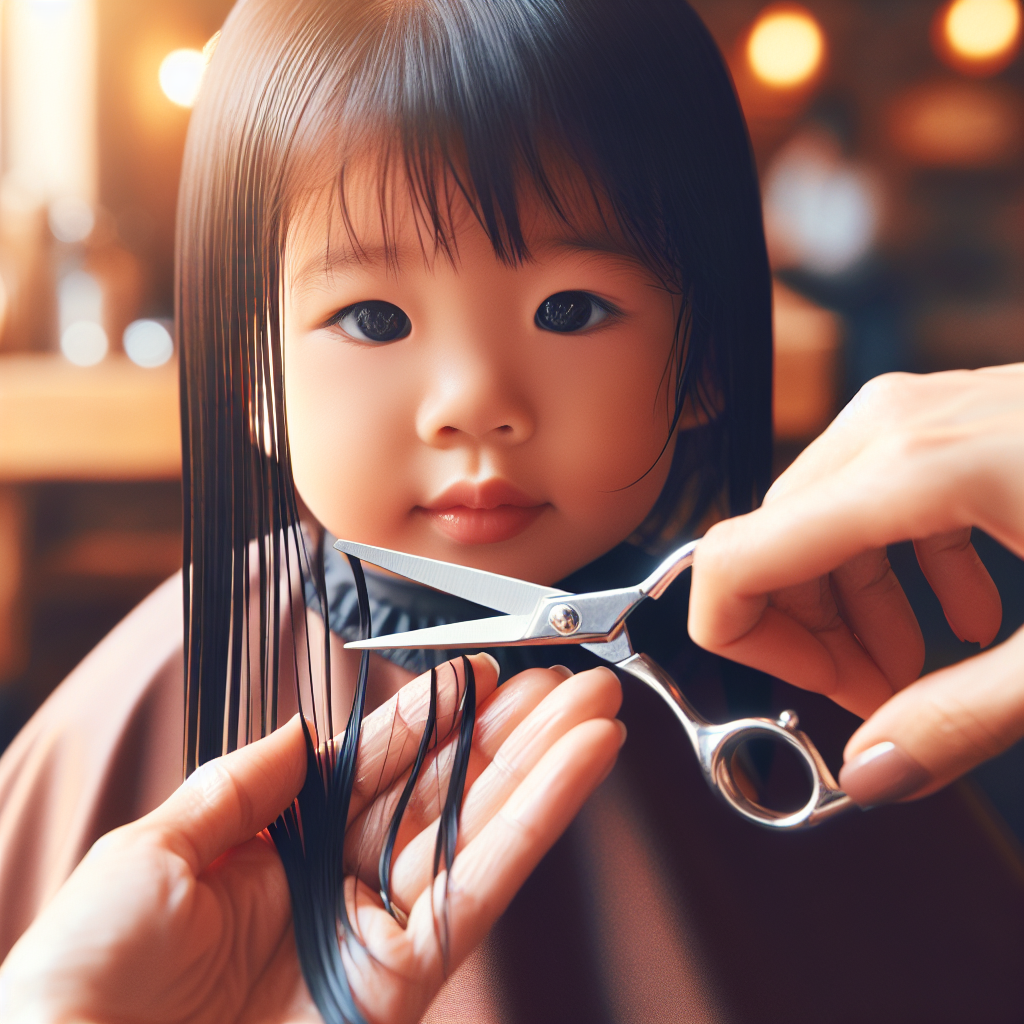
<point>482,280</point>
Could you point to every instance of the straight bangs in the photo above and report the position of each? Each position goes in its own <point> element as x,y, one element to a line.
<point>455,102</point>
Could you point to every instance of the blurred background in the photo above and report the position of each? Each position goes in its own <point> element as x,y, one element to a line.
<point>890,140</point>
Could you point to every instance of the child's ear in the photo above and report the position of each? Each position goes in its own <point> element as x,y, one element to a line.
<point>703,404</point>
<point>704,401</point>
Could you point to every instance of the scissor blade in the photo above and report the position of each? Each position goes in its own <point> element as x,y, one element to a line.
<point>614,651</point>
<point>503,593</point>
<point>499,631</point>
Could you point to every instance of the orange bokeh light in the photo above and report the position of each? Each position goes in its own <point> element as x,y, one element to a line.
<point>786,47</point>
<point>978,37</point>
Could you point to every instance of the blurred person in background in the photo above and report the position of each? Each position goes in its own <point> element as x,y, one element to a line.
<point>824,214</point>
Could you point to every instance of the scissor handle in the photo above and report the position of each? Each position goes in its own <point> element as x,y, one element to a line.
<point>662,578</point>
<point>715,746</point>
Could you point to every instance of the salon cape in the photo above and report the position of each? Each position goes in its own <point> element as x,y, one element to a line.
<point>658,904</point>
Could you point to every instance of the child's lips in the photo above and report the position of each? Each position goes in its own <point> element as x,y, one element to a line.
<point>483,525</point>
<point>484,512</point>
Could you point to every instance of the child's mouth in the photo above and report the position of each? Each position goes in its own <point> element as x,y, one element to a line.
<point>483,525</point>
<point>482,513</point>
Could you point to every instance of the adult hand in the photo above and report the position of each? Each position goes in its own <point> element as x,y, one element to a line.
<point>802,589</point>
<point>184,915</point>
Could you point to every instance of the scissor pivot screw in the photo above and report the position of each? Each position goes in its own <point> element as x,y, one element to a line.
<point>564,619</point>
<point>789,720</point>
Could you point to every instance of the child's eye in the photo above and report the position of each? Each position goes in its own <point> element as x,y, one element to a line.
<point>373,321</point>
<point>567,312</point>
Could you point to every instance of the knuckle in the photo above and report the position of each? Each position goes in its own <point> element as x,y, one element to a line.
<point>959,726</point>
<point>113,842</point>
<point>956,542</point>
<point>216,787</point>
<point>882,581</point>
<point>504,767</point>
<point>905,444</point>
<point>883,390</point>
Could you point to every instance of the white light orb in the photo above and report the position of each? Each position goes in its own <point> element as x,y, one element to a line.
<point>71,219</point>
<point>84,343</point>
<point>148,343</point>
<point>181,75</point>
<point>826,212</point>
<point>79,297</point>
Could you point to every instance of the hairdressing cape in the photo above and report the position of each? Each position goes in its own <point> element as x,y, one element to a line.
<point>658,904</point>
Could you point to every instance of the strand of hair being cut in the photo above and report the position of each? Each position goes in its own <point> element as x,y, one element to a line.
<point>310,835</point>
<point>310,838</point>
<point>450,813</point>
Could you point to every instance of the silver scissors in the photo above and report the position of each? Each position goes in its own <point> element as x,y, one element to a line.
<point>536,614</point>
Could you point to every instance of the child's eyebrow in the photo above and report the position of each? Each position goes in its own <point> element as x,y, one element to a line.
<point>598,244</point>
<point>341,258</point>
<point>337,258</point>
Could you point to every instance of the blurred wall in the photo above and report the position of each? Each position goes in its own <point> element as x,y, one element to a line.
<point>939,146</point>
<point>141,134</point>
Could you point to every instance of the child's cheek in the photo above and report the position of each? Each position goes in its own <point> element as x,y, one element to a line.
<point>603,425</point>
<point>349,443</point>
<point>615,406</point>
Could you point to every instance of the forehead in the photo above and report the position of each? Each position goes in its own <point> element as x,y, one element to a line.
<point>362,219</point>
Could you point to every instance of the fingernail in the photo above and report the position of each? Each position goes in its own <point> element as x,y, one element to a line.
<point>622,731</point>
<point>881,774</point>
<point>956,632</point>
<point>493,660</point>
<point>561,670</point>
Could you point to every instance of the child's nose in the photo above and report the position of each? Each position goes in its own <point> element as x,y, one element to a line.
<point>470,400</point>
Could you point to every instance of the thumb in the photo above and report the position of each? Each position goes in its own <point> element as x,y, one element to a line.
<point>230,799</point>
<point>938,728</point>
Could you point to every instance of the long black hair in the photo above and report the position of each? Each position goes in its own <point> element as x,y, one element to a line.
<point>479,98</point>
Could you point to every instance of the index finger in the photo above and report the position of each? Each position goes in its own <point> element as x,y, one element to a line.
<point>840,441</point>
<point>882,496</point>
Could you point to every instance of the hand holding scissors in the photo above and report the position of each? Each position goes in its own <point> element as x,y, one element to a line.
<point>536,614</point>
<point>802,588</point>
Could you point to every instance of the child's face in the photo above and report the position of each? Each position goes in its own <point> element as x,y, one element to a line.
<point>474,435</point>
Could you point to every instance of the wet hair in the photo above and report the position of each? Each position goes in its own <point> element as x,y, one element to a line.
<point>619,106</point>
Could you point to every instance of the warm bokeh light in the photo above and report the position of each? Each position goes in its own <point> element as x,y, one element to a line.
<point>49,98</point>
<point>181,75</point>
<point>953,123</point>
<point>786,47</point>
<point>982,29</point>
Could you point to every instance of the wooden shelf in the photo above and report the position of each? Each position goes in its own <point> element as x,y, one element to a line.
<point>114,421</point>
